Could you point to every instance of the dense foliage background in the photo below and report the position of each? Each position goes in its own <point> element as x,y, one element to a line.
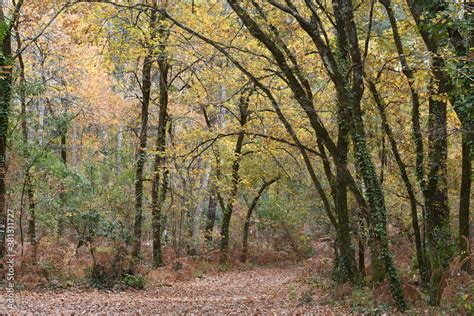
<point>136,135</point>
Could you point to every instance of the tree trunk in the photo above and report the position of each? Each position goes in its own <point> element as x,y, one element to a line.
<point>417,139</point>
<point>227,211</point>
<point>159,167</point>
<point>444,83</point>
<point>376,201</point>
<point>423,269</point>
<point>345,263</point>
<point>250,210</point>
<point>5,100</point>
<point>24,128</point>
<point>141,152</point>
<point>437,210</point>
<point>62,192</point>
<point>373,187</point>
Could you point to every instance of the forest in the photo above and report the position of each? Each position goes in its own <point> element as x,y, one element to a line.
<point>236,157</point>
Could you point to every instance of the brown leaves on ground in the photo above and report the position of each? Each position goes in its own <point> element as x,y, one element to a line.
<point>258,291</point>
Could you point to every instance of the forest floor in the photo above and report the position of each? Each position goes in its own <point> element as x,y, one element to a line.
<point>255,291</point>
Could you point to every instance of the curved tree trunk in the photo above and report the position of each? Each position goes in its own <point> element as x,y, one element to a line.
<point>424,274</point>
<point>417,139</point>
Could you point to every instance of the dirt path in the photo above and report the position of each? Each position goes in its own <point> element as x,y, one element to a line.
<point>259,291</point>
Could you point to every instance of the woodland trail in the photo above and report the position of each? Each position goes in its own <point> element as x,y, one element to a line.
<point>257,291</point>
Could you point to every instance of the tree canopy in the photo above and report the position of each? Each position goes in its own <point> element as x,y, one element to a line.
<point>134,134</point>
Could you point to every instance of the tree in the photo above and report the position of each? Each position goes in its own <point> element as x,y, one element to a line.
<point>146,84</point>
<point>159,187</point>
<point>229,206</point>
<point>443,88</point>
<point>28,186</point>
<point>350,98</point>
<point>6,77</point>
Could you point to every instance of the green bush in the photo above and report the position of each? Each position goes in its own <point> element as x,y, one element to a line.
<point>134,281</point>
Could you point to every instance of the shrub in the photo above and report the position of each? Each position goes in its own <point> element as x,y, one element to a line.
<point>134,281</point>
<point>100,278</point>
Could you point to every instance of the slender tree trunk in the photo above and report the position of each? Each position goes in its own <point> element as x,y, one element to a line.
<point>383,159</point>
<point>211,122</point>
<point>62,192</point>
<point>245,235</point>
<point>159,167</point>
<point>141,152</point>
<point>5,100</point>
<point>416,131</point>
<point>24,128</point>
<point>227,211</point>
<point>74,147</point>
<point>378,271</point>
<point>345,266</point>
<point>424,274</point>
<point>140,162</point>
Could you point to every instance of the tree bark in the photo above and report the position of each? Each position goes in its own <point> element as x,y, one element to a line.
<point>211,214</point>
<point>141,151</point>
<point>159,167</point>
<point>62,192</point>
<point>437,209</point>
<point>229,207</point>
<point>5,100</point>
<point>6,83</point>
